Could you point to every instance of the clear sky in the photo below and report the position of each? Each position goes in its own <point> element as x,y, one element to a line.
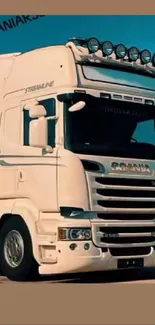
<point>130,30</point>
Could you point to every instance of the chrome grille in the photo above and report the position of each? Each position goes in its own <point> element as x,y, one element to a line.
<point>126,216</point>
<point>120,194</point>
<point>124,234</point>
<point>125,207</point>
<point>127,235</point>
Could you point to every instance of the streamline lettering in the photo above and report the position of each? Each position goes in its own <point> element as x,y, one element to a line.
<point>16,21</point>
<point>40,86</point>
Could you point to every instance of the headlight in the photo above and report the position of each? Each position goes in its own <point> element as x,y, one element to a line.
<point>74,234</point>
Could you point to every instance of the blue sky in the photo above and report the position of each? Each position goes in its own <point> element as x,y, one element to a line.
<point>48,30</point>
<point>130,30</point>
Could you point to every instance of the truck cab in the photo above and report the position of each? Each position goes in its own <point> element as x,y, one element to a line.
<point>77,159</point>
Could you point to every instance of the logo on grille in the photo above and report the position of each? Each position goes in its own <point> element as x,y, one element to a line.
<point>130,168</point>
<point>110,235</point>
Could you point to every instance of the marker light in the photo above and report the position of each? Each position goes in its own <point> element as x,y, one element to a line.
<point>133,54</point>
<point>93,45</point>
<point>107,48</point>
<point>145,56</point>
<point>120,51</point>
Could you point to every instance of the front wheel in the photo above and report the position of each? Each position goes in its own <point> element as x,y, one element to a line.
<point>16,257</point>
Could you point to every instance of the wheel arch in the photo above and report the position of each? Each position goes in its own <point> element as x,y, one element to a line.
<point>29,219</point>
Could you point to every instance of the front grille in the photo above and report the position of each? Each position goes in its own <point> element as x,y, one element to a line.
<point>126,204</point>
<point>124,193</point>
<point>126,216</point>
<point>126,213</point>
<point>124,181</point>
<point>130,251</point>
<point>127,235</point>
<point>124,240</point>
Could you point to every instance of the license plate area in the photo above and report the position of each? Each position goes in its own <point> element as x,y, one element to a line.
<point>130,263</point>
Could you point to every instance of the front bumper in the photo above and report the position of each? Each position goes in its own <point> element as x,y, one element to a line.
<point>94,259</point>
<point>59,258</point>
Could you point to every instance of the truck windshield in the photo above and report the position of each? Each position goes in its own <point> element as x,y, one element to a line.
<point>110,128</point>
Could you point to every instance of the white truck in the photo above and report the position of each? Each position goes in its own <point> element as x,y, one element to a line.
<point>77,159</point>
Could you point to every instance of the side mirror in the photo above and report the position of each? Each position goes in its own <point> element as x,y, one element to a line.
<point>36,110</point>
<point>38,133</point>
<point>77,107</point>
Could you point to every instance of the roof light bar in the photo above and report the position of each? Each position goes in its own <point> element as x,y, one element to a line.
<point>107,48</point>
<point>78,41</point>
<point>133,54</point>
<point>120,51</point>
<point>153,60</point>
<point>145,56</point>
<point>93,45</point>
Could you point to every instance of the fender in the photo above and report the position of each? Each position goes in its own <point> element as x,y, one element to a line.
<point>30,220</point>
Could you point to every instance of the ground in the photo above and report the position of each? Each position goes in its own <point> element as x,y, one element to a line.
<point>102,298</point>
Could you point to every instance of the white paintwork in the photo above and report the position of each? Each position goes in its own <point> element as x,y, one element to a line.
<point>37,111</point>
<point>35,181</point>
<point>77,107</point>
<point>38,133</point>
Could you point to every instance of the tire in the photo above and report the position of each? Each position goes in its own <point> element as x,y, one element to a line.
<point>24,267</point>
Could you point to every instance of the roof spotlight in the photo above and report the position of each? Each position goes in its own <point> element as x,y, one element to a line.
<point>145,56</point>
<point>133,53</point>
<point>93,45</point>
<point>120,51</point>
<point>153,60</point>
<point>107,48</point>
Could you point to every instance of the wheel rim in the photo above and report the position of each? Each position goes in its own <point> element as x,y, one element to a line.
<point>14,248</point>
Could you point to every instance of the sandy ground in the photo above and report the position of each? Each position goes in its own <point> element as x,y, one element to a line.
<point>101,298</point>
